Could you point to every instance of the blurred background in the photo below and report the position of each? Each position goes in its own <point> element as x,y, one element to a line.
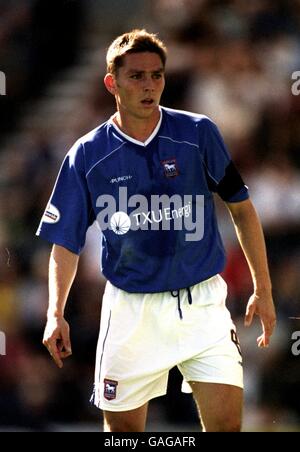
<point>232,60</point>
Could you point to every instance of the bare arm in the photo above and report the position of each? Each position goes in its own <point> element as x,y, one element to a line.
<point>251,238</point>
<point>62,270</point>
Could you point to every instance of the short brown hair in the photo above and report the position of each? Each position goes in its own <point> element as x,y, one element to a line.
<point>136,41</point>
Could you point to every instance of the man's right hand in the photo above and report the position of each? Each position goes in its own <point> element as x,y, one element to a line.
<point>57,339</point>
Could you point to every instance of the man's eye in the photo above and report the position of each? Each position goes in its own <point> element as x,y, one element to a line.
<point>135,76</point>
<point>157,76</point>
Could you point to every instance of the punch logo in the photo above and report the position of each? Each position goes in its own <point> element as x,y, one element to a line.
<point>51,215</point>
<point>110,389</point>
<point>117,180</point>
<point>160,212</point>
<point>2,344</point>
<point>2,84</point>
<point>296,85</point>
<point>170,168</point>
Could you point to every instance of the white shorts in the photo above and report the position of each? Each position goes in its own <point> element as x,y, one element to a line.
<point>142,337</point>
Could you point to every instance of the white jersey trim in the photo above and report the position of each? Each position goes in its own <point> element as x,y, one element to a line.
<point>133,140</point>
<point>179,142</point>
<point>101,160</point>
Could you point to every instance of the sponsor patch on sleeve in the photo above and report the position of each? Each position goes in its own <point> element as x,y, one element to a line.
<point>51,215</point>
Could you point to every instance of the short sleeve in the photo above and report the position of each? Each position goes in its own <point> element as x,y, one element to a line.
<point>222,175</point>
<point>69,212</point>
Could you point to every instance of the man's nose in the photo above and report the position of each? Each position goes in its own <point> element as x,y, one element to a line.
<point>148,84</point>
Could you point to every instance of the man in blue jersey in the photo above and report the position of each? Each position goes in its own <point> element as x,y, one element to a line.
<point>148,175</point>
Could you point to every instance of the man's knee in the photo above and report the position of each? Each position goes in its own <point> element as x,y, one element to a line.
<point>120,425</point>
<point>231,427</point>
<point>225,425</point>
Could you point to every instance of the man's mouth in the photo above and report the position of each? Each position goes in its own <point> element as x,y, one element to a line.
<point>148,102</point>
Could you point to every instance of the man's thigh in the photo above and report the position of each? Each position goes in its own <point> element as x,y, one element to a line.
<point>220,406</point>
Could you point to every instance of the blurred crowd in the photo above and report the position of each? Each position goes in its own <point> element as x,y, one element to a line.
<point>232,60</point>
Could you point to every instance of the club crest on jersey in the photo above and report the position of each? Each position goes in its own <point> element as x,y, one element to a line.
<point>110,389</point>
<point>170,168</point>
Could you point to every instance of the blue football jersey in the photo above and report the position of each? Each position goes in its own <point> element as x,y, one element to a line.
<point>153,201</point>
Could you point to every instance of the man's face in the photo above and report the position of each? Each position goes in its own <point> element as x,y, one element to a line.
<point>139,84</point>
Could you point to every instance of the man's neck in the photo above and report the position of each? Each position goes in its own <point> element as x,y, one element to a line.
<point>139,129</point>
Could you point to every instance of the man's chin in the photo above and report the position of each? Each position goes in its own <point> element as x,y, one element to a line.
<point>148,111</point>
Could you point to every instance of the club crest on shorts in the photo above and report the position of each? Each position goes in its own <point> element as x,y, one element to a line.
<point>170,167</point>
<point>110,389</point>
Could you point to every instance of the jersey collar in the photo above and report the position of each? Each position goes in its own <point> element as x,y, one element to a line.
<point>133,140</point>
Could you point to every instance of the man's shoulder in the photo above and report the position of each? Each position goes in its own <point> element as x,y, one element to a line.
<point>185,116</point>
<point>95,135</point>
<point>185,125</point>
<point>92,144</point>
<point>87,147</point>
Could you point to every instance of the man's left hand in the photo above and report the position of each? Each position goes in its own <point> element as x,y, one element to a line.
<point>263,306</point>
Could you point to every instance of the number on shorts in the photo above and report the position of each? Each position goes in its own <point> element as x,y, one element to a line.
<point>235,340</point>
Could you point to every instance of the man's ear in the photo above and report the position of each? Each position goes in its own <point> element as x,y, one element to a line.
<point>110,83</point>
